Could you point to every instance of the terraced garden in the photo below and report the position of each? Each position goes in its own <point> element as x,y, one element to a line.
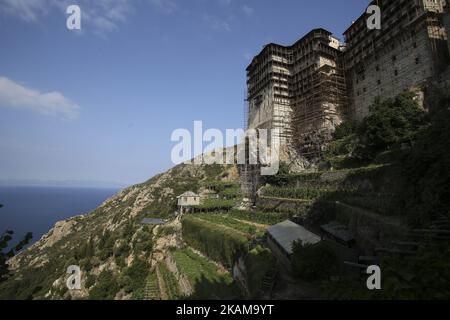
<point>230,222</point>
<point>205,276</point>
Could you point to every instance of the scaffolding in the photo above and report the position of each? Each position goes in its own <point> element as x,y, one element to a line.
<point>319,110</point>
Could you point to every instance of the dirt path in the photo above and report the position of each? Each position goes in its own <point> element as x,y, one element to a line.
<point>223,226</point>
<point>258,225</point>
<point>161,285</point>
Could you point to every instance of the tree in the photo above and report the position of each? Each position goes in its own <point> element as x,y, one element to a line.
<point>391,122</point>
<point>6,254</point>
<point>427,178</point>
<point>106,287</point>
<point>313,262</point>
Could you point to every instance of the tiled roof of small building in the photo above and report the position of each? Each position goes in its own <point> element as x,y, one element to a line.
<point>188,194</point>
<point>287,232</point>
<point>152,221</point>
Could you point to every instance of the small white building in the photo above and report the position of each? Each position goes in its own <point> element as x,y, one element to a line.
<point>187,200</point>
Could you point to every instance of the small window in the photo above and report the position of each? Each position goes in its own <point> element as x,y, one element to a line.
<point>417,60</point>
<point>394,58</point>
<point>377,68</point>
<point>396,72</point>
<point>379,82</point>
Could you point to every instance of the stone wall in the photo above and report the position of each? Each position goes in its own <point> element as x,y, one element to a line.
<point>371,230</point>
<point>405,64</point>
<point>447,26</point>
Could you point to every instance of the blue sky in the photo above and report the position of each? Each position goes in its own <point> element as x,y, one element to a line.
<point>101,104</point>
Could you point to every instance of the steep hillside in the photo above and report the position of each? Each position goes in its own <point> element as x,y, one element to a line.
<point>115,252</point>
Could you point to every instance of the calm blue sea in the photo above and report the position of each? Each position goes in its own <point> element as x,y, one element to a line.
<point>37,209</point>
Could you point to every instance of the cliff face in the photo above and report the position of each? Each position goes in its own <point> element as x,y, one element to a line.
<point>109,242</point>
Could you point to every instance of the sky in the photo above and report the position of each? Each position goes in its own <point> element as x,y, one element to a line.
<point>101,103</point>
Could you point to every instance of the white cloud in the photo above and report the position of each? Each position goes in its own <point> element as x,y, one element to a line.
<point>217,23</point>
<point>27,10</point>
<point>100,16</point>
<point>14,95</point>
<point>166,6</point>
<point>248,10</point>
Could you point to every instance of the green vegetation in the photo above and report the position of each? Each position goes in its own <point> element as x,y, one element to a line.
<point>283,171</point>
<point>226,189</point>
<point>426,189</point>
<point>171,283</point>
<point>132,278</point>
<point>210,205</point>
<point>5,239</point>
<point>166,230</point>
<point>259,261</point>
<point>293,193</point>
<point>391,123</point>
<point>207,280</point>
<point>267,218</point>
<point>106,287</point>
<point>313,262</point>
<point>424,276</point>
<point>221,244</point>
<point>226,220</point>
<point>143,240</point>
<point>34,282</point>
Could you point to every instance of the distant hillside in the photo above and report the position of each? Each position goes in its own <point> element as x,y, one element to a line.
<point>109,244</point>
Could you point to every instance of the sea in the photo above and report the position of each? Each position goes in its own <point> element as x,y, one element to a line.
<point>37,209</point>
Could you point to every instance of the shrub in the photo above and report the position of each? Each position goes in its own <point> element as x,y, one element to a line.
<point>426,169</point>
<point>267,218</point>
<point>392,121</point>
<point>172,288</point>
<point>313,262</point>
<point>106,287</point>
<point>216,205</point>
<point>293,193</point>
<point>258,263</point>
<point>133,277</point>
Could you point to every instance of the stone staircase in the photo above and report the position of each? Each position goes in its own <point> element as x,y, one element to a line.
<point>151,291</point>
<point>409,245</point>
<point>268,283</point>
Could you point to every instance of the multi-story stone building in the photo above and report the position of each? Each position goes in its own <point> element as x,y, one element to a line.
<point>447,23</point>
<point>408,51</point>
<point>268,78</point>
<point>306,89</point>
<point>298,89</point>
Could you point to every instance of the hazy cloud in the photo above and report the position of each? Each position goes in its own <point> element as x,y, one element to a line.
<point>14,95</point>
<point>248,10</point>
<point>217,23</point>
<point>166,6</point>
<point>100,15</point>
